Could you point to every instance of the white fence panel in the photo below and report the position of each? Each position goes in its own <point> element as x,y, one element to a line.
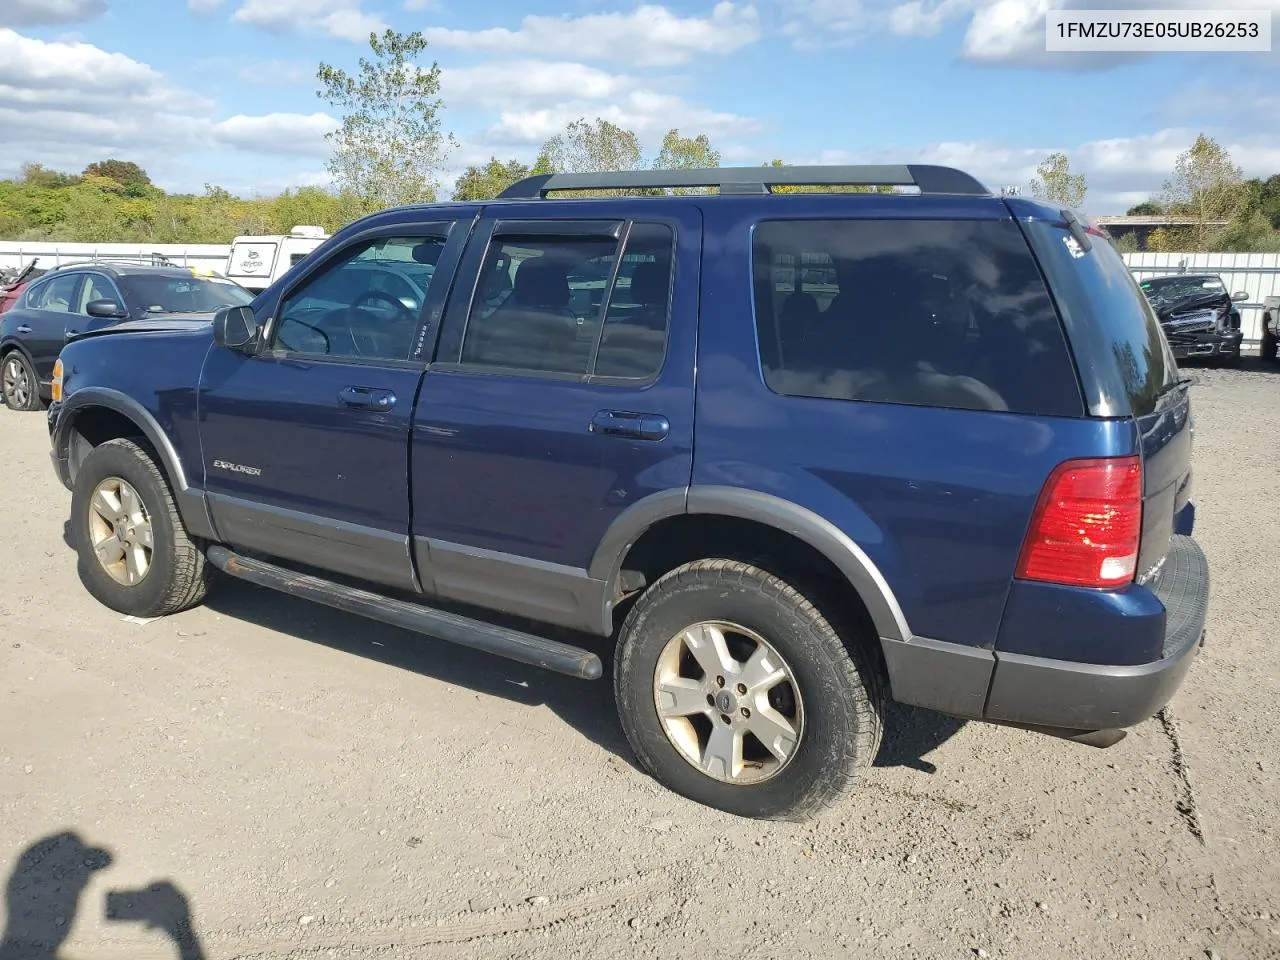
<point>1258,274</point>
<point>17,253</point>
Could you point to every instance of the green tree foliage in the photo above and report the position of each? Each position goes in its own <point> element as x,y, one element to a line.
<point>848,188</point>
<point>1208,186</point>
<point>584,147</point>
<point>686,153</point>
<point>1148,208</point>
<point>129,178</point>
<point>485,183</point>
<point>47,205</point>
<point>391,147</point>
<point>1055,183</point>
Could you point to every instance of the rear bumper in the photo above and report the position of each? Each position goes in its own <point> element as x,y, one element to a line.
<point>1020,689</point>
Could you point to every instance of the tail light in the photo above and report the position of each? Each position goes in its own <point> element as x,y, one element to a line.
<point>1087,525</point>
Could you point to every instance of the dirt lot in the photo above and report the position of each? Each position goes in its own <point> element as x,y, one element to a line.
<point>304,783</point>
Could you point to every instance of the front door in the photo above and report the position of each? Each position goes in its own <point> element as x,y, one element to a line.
<point>46,318</point>
<point>305,443</point>
<point>561,393</point>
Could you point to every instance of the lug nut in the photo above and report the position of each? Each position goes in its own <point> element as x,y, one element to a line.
<point>725,718</point>
<point>711,701</point>
<point>745,713</point>
<point>719,681</point>
<point>742,688</point>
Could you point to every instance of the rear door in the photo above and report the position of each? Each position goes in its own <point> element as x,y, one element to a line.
<point>305,443</point>
<point>561,393</point>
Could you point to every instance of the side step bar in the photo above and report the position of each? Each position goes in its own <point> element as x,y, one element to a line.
<point>512,644</point>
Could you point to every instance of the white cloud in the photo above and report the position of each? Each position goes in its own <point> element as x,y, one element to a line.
<point>276,72</point>
<point>500,83</point>
<point>415,5</point>
<point>648,36</point>
<point>35,13</point>
<point>202,7</point>
<point>998,33</point>
<point>341,19</point>
<point>279,134</point>
<point>67,104</point>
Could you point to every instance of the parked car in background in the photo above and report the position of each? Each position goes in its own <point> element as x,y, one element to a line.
<point>1199,318</point>
<point>257,262</point>
<point>12,284</point>
<point>1270,329</point>
<point>942,454</point>
<point>81,297</point>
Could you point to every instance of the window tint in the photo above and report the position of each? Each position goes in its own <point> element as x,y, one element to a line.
<point>539,304</point>
<point>634,340</point>
<point>935,313</point>
<point>96,287</point>
<point>1101,286</point>
<point>161,293</point>
<point>367,304</point>
<point>57,294</point>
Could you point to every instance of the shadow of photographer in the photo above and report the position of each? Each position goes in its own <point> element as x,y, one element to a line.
<point>43,897</point>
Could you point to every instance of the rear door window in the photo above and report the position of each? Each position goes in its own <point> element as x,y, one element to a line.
<point>926,312</point>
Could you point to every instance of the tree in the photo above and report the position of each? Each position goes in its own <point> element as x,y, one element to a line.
<point>686,153</point>
<point>390,148</point>
<point>132,179</point>
<point>485,183</point>
<point>1054,182</point>
<point>1207,186</point>
<point>592,148</point>
<point>1147,208</point>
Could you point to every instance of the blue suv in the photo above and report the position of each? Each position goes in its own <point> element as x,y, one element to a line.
<point>791,453</point>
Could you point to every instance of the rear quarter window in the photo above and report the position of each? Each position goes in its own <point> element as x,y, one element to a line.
<point>1119,339</point>
<point>927,312</point>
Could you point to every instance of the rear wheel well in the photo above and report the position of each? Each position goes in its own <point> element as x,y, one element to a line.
<point>682,539</point>
<point>94,426</point>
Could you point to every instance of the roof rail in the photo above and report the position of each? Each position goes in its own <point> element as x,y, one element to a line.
<point>932,180</point>
<point>145,260</point>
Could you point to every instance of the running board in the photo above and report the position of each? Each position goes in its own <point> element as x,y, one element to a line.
<point>512,644</point>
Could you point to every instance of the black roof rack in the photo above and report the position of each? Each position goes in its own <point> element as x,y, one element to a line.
<point>931,180</point>
<point>142,260</point>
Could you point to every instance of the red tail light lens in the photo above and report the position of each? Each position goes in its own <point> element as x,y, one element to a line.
<point>1087,525</point>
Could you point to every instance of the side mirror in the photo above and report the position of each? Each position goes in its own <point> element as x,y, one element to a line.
<point>236,328</point>
<point>105,308</point>
<point>1239,295</point>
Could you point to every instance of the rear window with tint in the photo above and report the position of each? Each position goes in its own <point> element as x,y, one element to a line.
<point>927,312</point>
<point>1099,286</point>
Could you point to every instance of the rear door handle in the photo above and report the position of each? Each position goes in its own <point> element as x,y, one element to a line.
<point>24,329</point>
<point>367,398</point>
<point>626,423</point>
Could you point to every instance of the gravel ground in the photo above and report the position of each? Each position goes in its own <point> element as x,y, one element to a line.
<point>300,783</point>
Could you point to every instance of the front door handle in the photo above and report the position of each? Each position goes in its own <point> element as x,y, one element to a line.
<point>69,334</point>
<point>367,398</point>
<point>626,423</point>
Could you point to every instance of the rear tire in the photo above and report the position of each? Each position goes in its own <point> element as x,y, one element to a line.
<point>1267,349</point>
<point>824,719</point>
<point>135,556</point>
<point>19,386</point>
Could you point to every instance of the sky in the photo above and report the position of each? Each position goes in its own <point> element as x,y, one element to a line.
<point>224,91</point>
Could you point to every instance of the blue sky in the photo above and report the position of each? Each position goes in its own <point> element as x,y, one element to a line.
<point>223,91</point>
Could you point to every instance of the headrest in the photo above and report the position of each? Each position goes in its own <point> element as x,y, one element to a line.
<point>541,283</point>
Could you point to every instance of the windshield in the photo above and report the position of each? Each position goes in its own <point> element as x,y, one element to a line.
<point>1169,289</point>
<point>167,294</point>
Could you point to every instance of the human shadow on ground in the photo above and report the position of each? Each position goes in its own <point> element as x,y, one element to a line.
<point>44,891</point>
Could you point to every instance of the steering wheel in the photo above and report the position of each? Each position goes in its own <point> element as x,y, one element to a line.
<point>370,347</point>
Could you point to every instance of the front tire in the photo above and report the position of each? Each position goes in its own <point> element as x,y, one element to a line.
<point>19,386</point>
<point>735,691</point>
<point>134,554</point>
<point>1267,349</point>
